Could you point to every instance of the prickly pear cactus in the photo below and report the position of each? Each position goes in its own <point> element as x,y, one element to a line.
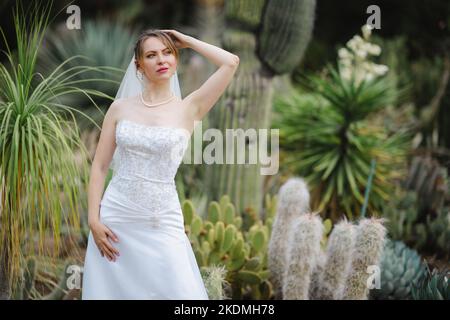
<point>219,239</point>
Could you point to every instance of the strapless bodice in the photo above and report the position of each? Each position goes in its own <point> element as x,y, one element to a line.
<point>146,161</point>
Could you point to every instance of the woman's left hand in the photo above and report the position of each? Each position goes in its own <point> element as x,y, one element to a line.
<point>181,40</point>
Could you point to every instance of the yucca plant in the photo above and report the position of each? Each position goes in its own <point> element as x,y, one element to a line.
<point>40,177</point>
<point>328,138</point>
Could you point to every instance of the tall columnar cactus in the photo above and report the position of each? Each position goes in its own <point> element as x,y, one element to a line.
<point>369,242</point>
<point>270,38</point>
<point>314,287</point>
<point>338,262</point>
<point>293,202</point>
<point>302,255</point>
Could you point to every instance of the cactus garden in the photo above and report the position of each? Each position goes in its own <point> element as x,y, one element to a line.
<point>355,117</point>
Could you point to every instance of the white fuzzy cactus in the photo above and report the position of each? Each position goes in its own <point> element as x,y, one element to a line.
<point>369,241</point>
<point>301,270</point>
<point>316,277</point>
<point>340,250</point>
<point>293,201</point>
<point>301,257</point>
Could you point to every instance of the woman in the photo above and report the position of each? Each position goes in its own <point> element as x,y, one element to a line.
<point>137,247</point>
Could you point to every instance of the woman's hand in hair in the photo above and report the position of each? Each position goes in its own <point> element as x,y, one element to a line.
<point>181,40</point>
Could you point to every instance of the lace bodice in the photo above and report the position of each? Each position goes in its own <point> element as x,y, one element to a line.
<point>146,161</point>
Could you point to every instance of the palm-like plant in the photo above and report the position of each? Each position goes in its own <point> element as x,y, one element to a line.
<point>331,141</point>
<point>40,177</point>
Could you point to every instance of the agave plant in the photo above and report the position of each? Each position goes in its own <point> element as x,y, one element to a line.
<point>103,43</point>
<point>433,286</point>
<point>328,139</point>
<point>41,178</point>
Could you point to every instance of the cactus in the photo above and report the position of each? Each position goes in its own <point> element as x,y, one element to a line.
<point>302,254</point>
<point>316,277</point>
<point>220,240</point>
<point>270,37</point>
<point>295,22</point>
<point>429,180</point>
<point>293,202</point>
<point>312,268</point>
<point>214,279</point>
<point>338,262</point>
<point>369,241</point>
<point>401,267</point>
<point>429,233</point>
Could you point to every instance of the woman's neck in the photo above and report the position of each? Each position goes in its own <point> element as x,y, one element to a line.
<point>157,92</point>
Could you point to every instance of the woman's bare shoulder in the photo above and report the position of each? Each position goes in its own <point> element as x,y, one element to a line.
<point>125,101</point>
<point>119,106</point>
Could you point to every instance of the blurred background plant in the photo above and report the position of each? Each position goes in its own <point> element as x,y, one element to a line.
<point>101,43</point>
<point>329,139</point>
<point>41,175</point>
<point>433,286</point>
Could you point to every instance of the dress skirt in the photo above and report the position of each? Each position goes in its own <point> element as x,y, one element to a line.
<point>156,258</point>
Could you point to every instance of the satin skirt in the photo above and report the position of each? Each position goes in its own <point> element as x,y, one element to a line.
<point>156,258</point>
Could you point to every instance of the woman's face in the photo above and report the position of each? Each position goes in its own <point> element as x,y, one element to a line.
<point>155,56</point>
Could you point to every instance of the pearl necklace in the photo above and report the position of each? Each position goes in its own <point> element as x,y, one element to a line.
<point>155,104</point>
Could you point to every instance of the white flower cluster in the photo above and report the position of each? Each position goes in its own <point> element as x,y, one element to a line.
<point>354,58</point>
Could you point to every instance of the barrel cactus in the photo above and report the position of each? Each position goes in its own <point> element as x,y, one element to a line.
<point>401,267</point>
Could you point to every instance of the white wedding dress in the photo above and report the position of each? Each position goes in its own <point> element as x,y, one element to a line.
<point>141,206</point>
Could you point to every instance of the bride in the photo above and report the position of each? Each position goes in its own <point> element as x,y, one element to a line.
<point>137,247</point>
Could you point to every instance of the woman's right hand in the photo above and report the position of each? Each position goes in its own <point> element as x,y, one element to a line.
<point>101,234</point>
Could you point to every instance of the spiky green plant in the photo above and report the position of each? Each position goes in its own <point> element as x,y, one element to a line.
<point>401,267</point>
<point>432,286</point>
<point>103,43</point>
<point>328,138</point>
<point>41,179</point>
